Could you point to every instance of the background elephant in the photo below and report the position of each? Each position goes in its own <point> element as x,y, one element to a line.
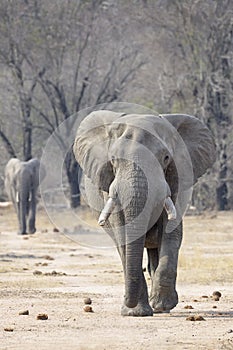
<point>21,184</point>
<point>138,170</point>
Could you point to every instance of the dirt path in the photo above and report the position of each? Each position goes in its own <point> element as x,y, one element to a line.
<point>48,273</point>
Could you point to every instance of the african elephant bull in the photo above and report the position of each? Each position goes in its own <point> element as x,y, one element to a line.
<point>139,169</point>
<point>21,185</point>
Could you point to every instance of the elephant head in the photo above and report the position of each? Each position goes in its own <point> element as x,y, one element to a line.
<point>143,162</point>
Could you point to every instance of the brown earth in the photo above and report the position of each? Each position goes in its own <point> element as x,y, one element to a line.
<point>47,274</point>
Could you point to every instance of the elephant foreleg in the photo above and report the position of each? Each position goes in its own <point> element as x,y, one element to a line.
<point>22,217</point>
<point>163,294</point>
<point>143,308</point>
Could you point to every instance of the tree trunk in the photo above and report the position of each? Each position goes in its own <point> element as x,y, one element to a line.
<point>222,190</point>
<point>27,140</point>
<point>218,109</point>
<point>73,172</point>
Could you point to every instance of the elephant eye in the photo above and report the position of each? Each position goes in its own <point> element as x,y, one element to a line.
<point>166,160</point>
<point>112,160</point>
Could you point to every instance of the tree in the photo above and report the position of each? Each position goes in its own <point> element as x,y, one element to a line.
<point>66,56</point>
<point>15,32</point>
<point>198,36</point>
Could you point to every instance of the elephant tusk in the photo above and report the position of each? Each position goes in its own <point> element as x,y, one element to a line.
<point>106,212</point>
<point>170,208</point>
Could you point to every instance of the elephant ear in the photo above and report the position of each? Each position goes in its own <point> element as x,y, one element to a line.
<point>91,147</point>
<point>198,140</point>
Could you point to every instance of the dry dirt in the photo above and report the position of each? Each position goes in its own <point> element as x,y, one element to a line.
<point>48,274</point>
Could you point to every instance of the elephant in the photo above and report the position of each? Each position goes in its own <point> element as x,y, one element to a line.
<point>21,185</point>
<point>138,170</point>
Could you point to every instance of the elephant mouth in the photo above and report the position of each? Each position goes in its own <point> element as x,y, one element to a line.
<point>111,203</point>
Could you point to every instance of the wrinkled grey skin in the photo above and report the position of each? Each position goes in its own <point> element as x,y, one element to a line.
<point>104,143</point>
<point>21,185</point>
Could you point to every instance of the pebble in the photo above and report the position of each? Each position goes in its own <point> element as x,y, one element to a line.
<point>87,308</point>
<point>87,301</point>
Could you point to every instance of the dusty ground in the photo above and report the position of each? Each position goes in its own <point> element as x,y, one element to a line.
<point>49,273</point>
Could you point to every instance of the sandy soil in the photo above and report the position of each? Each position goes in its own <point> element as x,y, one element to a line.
<point>49,273</point>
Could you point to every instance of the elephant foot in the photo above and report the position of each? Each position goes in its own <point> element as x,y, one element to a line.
<point>139,310</point>
<point>157,311</point>
<point>20,233</point>
<point>33,230</point>
<point>163,302</point>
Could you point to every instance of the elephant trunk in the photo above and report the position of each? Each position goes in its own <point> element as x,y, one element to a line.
<point>133,272</point>
<point>136,221</point>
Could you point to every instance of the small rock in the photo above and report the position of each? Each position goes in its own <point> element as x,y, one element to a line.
<point>47,257</point>
<point>87,308</point>
<point>216,295</point>
<point>42,317</point>
<point>190,318</point>
<point>205,296</point>
<point>195,318</point>
<point>188,307</point>
<point>8,329</point>
<point>87,301</point>
<point>55,273</point>
<point>25,312</point>
<point>199,318</point>
<point>195,300</point>
<point>55,229</point>
<point>230,331</point>
<point>214,307</point>
<point>37,273</point>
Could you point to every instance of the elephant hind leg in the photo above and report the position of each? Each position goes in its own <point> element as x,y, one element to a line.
<point>153,260</point>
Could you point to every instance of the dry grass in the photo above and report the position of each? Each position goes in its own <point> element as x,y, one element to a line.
<point>206,251</point>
